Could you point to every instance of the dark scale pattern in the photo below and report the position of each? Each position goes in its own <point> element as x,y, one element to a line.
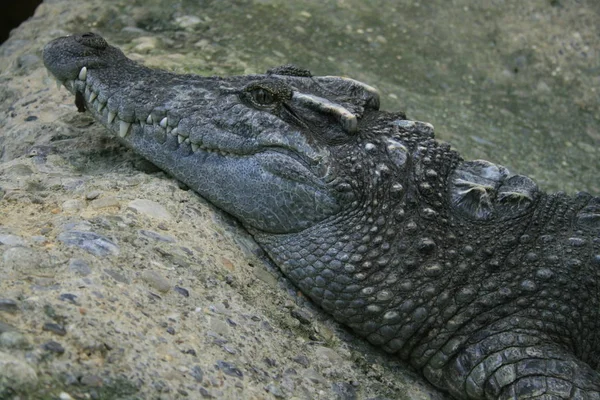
<point>488,286</point>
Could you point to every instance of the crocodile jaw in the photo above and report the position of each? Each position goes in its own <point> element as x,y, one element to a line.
<point>183,125</point>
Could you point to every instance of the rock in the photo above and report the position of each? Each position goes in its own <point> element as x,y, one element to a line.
<point>54,328</point>
<point>156,280</point>
<point>11,240</point>
<point>117,275</point>
<point>8,305</point>
<point>94,194</point>
<point>79,266</point>
<point>4,327</point>
<point>150,208</point>
<point>344,391</point>
<point>182,291</point>
<point>91,380</point>
<point>15,375</point>
<point>156,236</point>
<point>21,260</point>
<point>72,205</point>
<point>53,347</point>
<point>105,202</point>
<point>230,369</point>
<point>93,243</point>
<point>27,60</point>
<point>14,340</point>
<point>145,44</point>
<point>188,21</point>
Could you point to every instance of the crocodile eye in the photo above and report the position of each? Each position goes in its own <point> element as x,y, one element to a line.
<point>262,96</point>
<point>266,94</point>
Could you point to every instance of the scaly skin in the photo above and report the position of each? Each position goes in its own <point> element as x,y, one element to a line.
<point>484,283</point>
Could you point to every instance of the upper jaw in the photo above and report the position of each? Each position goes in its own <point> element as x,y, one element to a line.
<point>65,56</point>
<point>121,93</point>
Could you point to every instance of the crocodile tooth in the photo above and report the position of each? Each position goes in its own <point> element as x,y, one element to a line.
<point>149,119</point>
<point>83,74</point>
<point>142,124</point>
<point>124,128</point>
<point>187,140</point>
<point>100,106</point>
<point>169,129</point>
<point>195,147</point>
<point>174,132</point>
<point>111,116</point>
<point>93,96</point>
<point>163,122</point>
<point>180,139</point>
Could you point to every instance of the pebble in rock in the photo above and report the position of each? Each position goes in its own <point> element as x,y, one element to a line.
<point>150,208</point>
<point>230,369</point>
<point>182,291</point>
<point>197,373</point>
<point>92,242</point>
<point>15,375</point>
<point>105,202</point>
<point>156,236</point>
<point>156,280</point>
<point>80,267</point>
<point>4,327</point>
<point>27,60</point>
<point>13,340</point>
<point>72,205</point>
<point>11,240</point>
<point>344,390</point>
<point>92,380</point>
<point>8,305</point>
<point>53,347</point>
<point>21,260</point>
<point>54,328</point>
<point>94,194</point>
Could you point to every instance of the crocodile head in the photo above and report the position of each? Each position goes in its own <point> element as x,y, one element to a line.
<point>257,146</point>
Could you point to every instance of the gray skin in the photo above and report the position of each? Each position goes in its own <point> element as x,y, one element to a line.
<point>484,283</point>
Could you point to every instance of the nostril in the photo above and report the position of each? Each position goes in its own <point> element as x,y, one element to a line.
<point>90,39</point>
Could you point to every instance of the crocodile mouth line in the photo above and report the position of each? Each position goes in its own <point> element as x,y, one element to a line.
<point>87,98</point>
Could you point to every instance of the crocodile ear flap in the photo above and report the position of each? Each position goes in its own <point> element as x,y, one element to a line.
<point>359,94</point>
<point>332,122</point>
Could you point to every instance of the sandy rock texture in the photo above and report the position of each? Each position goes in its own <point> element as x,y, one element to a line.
<point>117,282</point>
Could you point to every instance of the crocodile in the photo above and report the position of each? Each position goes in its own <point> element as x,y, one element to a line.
<point>483,282</point>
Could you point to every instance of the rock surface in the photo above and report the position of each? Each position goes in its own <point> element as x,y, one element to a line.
<point>117,283</point>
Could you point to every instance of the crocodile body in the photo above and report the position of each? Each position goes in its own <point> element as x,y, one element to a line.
<point>484,283</point>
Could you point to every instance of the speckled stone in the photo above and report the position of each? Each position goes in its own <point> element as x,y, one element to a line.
<point>105,202</point>
<point>94,194</point>
<point>14,339</point>
<point>22,260</point>
<point>150,208</point>
<point>92,242</point>
<point>72,205</point>
<point>11,240</point>
<point>156,280</point>
<point>8,305</point>
<point>15,375</point>
<point>79,266</point>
